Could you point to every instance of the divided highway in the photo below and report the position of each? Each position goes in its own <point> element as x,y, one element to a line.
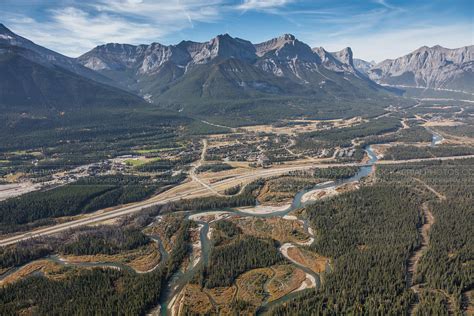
<point>252,175</point>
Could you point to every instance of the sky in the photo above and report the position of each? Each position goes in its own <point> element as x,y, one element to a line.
<point>375,29</point>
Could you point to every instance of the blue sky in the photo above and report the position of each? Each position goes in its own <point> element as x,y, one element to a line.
<point>375,30</point>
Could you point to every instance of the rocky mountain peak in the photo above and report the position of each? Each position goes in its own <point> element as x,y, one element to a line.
<point>287,37</point>
<point>345,56</point>
<point>429,67</point>
<point>221,46</point>
<point>286,47</point>
<point>340,61</point>
<point>9,38</point>
<point>4,30</point>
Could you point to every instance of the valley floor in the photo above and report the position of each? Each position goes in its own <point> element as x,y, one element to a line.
<point>299,203</point>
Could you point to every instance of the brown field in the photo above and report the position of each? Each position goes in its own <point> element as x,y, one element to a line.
<point>223,297</point>
<point>275,227</point>
<point>48,268</point>
<point>329,192</point>
<point>445,122</point>
<point>192,300</point>
<point>469,297</point>
<point>286,279</point>
<point>304,127</point>
<point>284,188</point>
<point>308,259</point>
<point>141,260</point>
<point>251,285</point>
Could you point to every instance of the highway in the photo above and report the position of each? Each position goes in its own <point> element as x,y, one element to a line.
<point>251,175</point>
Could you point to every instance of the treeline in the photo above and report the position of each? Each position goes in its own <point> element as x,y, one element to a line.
<point>343,136</point>
<point>80,137</point>
<point>215,167</point>
<point>181,248</point>
<point>413,152</point>
<point>87,292</point>
<point>228,261</point>
<point>369,234</point>
<point>224,231</point>
<point>466,130</point>
<point>63,201</point>
<point>94,292</point>
<point>23,252</point>
<point>445,267</point>
<point>335,173</point>
<point>86,195</point>
<point>103,240</point>
<point>246,198</point>
<point>161,165</point>
<point>432,303</point>
<point>411,135</point>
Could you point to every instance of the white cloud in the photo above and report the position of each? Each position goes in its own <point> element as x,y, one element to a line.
<point>73,30</point>
<point>392,44</point>
<point>170,12</point>
<point>262,5</point>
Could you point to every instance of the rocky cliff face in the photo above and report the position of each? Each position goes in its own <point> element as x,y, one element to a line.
<point>226,66</point>
<point>341,61</point>
<point>429,67</point>
<point>363,66</point>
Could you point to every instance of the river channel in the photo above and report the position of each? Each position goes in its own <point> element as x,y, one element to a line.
<point>180,278</point>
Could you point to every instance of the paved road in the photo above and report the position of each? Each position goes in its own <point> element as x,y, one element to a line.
<point>102,215</point>
<point>192,172</point>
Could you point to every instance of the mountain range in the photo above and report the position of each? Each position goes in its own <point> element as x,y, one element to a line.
<point>222,75</point>
<point>428,67</point>
<point>229,68</point>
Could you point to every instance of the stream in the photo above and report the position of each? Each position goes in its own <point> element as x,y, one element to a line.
<point>181,278</point>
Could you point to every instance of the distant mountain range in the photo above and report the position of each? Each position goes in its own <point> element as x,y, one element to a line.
<point>215,76</point>
<point>227,68</point>
<point>428,67</point>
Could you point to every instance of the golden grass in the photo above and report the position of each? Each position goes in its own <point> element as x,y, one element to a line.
<point>194,301</point>
<point>141,259</point>
<point>308,259</point>
<point>287,278</point>
<point>278,190</point>
<point>223,297</point>
<point>50,269</point>
<point>274,227</point>
<point>251,285</point>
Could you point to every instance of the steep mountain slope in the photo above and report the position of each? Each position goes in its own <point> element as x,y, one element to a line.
<point>36,78</point>
<point>46,56</point>
<point>340,61</point>
<point>363,66</point>
<point>429,67</point>
<point>30,85</point>
<point>229,69</point>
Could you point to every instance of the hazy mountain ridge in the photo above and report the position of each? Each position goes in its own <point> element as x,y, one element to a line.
<point>363,66</point>
<point>429,67</point>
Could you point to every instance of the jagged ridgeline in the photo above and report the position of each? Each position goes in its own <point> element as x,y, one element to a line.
<point>232,75</point>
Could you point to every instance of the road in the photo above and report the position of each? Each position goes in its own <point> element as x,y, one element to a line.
<point>251,175</point>
<point>192,172</point>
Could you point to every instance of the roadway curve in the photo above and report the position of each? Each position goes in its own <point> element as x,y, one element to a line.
<point>252,175</point>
